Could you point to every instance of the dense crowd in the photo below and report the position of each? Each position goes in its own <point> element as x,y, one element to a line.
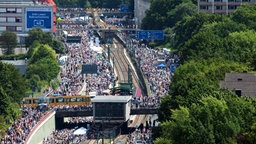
<point>120,22</point>
<point>158,78</point>
<point>78,119</point>
<point>72,108</point>
<point>19,131</point>
<point>146,102</point>
<point>72,80</point>
<point>140,136</point>
<point>64,136</point>
<point>81,10</point>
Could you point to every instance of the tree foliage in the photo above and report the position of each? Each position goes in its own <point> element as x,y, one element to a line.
<point>246,14</point>
<point>238,46</point>
<point>43,51</point>
<point>189,26</point>
<point>197,110</point>
<point>158,14</point>
<point>8,108</point>
<point>37,36</point>
<point>8,41</point>
<point>212,120</point>
<point>180,11</point>
<point>43,63</point>
<point>195,79</point>
<point>12,83</point>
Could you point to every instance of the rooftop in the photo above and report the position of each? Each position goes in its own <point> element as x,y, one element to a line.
<point>246,82</point>
<point>21,2</point>
<point>112,99</point>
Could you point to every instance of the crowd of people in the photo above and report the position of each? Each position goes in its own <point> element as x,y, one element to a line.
<point>72,108</point>
<point>72,80</point>
<point>158,78</point>
<point>142,136</point>
<point>88,10</point>
<point>120,22</point>
<point>78,119</point>
<point>146,102</point>
<point>19,131</point>
<point>64,136</point>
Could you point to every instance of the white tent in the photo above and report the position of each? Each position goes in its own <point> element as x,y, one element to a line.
<point>97,49</point>
<point>63,58</point>
<point>80,131</point>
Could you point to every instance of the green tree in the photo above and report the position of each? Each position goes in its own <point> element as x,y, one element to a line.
<point>35,80</point>
<point>12,82</point>
<point>181,11</point>
<point>113,4</point>
<point>43,51</point>
<point>4,101</point>
<point>245,14</point>
<point>45,68</point>
<point>241,47</point>
<point>156,16</point>
<point>191,25</point>
<point>39,35</point>
<point>33,48</point>
<point>57,46</point>
<point>249,136</point>
<point>209,121</point>
<point>88,4</point>
<point>9,42</point>
<point>195,79</point>
<point>8,108</point>
<point>224,28</point>
<point>163,141</point>
<point>43,63</point>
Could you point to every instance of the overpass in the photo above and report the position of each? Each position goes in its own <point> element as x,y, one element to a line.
<point>83,113</point>
<point>118,14</point>
<point>61,113</point>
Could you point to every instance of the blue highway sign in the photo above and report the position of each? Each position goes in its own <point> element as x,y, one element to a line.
<point>124,8</point>
<point>150,34</point>
<point>38,17</point>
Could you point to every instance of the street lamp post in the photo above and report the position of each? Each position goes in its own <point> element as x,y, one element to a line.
<point>108,53</point>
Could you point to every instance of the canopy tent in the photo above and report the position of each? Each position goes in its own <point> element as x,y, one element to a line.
<point>59,19</point>
<point>160,66</point>
<point>138,93</point>
<point>97,49</point>
<point>56,94</point>
<point>80,131</point>
<point>63,59</point>
<point>173,67</point>
<point>106,92</point>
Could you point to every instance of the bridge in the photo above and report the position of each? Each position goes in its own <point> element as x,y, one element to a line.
<point>60,113</point>
<point>118,14</point>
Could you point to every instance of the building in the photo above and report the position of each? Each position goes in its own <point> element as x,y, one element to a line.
<point>243,84</point>
<point>111,109</point>
<point>140,6</point>
<point>20,16</point>
<point>221,6</point>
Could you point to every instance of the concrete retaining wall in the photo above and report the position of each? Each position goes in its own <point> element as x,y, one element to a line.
<point>43,129</point>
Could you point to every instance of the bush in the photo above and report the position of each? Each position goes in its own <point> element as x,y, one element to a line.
<point>12,56</point>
